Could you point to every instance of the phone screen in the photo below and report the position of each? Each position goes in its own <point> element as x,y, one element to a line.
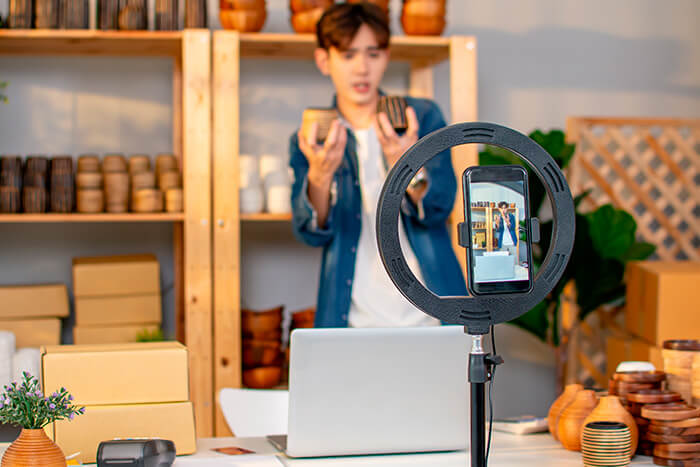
<point>497,214</point>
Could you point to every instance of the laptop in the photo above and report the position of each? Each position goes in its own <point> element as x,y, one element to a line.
<point>356,391</point>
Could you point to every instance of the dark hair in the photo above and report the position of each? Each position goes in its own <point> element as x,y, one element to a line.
<point>340,22</point>
<point>502,204</point>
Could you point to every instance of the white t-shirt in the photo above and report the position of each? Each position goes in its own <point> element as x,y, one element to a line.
<point>376,302</point>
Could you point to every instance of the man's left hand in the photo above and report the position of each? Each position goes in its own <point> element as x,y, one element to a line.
<point>394,145</point>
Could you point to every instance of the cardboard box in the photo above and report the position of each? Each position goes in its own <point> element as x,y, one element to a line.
<point>629,349</point>
<point>663,300</point>
<point>124,309</point>
<point>33,301</point>
<point>116,275</point>
<point>139,373</point>
<point>110,334</point>
<point>33,332</point>
<point>173,421</point>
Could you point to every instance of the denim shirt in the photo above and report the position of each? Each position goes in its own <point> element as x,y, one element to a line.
<point>425,226</point>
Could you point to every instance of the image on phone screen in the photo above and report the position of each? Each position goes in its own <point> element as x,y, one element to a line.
<point>498,219</point>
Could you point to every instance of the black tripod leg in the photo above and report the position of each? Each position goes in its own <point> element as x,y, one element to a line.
<point>478,419</point>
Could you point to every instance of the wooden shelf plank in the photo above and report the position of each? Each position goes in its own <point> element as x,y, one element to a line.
<point>89,42</point>
<point>101,217</point>
<point>266,217</point>
<point>426,49</point>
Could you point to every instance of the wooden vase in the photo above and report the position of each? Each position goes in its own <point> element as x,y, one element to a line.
<point>609,409</point>
<point>33,448</point>
<point>562,402</point>
<point>571,420</point>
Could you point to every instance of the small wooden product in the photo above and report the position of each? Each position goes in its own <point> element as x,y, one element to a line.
<point>9,199</point>
<point>304,22</point>
<point>139,163</point>
<point>423,17</point>
<point>323,117</point>
<point>88,180</point>
<point>169,179</point>
<point>34,199</point>
<point>144,179</point>
<point>165,163</point>
<point>174,200</point>
<point>113,163</point>
<point>395,108</point>
<point>571,420</point>
<point>90,201</point>
<point>558,406</point>
<point>88,163</point>
<point>148,200</point>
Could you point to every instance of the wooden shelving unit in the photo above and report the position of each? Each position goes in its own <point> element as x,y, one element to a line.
<point>229,48</point>
<point>190,51</point>
<point>266,217</point>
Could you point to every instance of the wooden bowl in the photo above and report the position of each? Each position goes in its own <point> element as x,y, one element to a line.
<point>298,6</point>
<point>139,163</point>
<point>422,25</point>
<point>165,163</point>
<point>141,180</point>
<point>147,200</point>
<point>323,116</point>
<point>303,318</point>
<point>88,180</point>
<point>241,5</point>
<point>90,201</point>
<point>174,200</point>
<point>88,163</point>
<point>424,8</point>
<point>116,182</point>
<point>258,353</point>
<point>304,22</point>
<point>114,163</point>
<point>264,377</point>
<point>169,179</point>
<point>243,20</point>
<point>261,321</point>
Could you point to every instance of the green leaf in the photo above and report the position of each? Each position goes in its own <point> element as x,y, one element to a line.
<point>612,231</point>
<point>639,251</point>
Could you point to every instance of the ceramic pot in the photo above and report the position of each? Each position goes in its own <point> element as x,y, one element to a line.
<point>609,409</point>
<point>571,419</point>
<point>562,402</point>
<point>33,448</point>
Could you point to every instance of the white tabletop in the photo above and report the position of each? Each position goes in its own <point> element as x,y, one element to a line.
<point>538,450</point>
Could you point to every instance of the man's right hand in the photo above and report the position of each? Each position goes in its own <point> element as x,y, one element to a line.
<point>323,160</point>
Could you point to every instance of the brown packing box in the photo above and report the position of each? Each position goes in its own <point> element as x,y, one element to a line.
<point>173,421</point>
<point>110,334</point>
<point>629,349</point>
<point>33,332</point>
<point>116,275</point>
<point>663,300</point>
<point>138,373</point>
<point>34,301</point>
<point>125,309</point>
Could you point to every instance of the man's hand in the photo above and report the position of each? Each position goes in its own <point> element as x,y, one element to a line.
<point>394,145</point>
<point>323,160</point>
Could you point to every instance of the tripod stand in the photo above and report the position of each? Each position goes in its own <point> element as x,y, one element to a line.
<point>480,371</point>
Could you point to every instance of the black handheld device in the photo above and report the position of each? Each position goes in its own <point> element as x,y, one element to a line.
<point>497,216</point>
<point>136,452</point>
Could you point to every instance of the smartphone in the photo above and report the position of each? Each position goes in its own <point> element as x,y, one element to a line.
<point>497,214</point>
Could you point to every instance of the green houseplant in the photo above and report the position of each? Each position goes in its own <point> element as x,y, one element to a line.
<point>605,241</point>
<point>25,405</point>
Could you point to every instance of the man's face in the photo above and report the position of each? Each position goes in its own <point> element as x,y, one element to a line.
<point>357,71</point>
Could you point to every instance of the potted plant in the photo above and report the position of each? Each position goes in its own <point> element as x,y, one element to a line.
<point>605,242</point>
<point>25,405</point>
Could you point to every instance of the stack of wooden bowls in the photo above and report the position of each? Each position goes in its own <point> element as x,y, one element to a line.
<point>62,184</point>
<point>35,190</point>
<point>678,364</point>
<point>675,431</point>
<point>306,13</point>
<point>169,181</point>
<point>423,17</point>
<point>88,183</point>
<point>242,15</point>
<point>10,183</point>
<point>166,15</point>
<point>145,195</point>
<point>695,388</point>
<point>262,343</point>
<point>303,319</point>
<point>606,444</point>
<point>116,183</point>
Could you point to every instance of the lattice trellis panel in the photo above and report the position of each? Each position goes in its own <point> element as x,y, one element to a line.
<point>650,168</point>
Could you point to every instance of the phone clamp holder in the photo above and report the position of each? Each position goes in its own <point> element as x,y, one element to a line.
<point>479,312</point>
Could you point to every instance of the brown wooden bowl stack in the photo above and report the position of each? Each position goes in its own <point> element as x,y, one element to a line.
<point>174,200</point>
<point>262,342</point>
<point>62,196</point>
<point>10,184</point>
<point>35,193</point>
<point>306,13</point>
<point>242,15</point>
<point>116,187</point>
<point>423,17</point>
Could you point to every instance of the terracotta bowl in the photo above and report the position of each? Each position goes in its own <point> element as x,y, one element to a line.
<point>424,8</point>
<point>261,321</point>
<point>241,5</point>
<point>422,25</point>
<point>264,377</point>
<point>243,20</point>
<point>298,6</point>
<point>303,318</point>
<point>260,353</point>
<point>304,22</point>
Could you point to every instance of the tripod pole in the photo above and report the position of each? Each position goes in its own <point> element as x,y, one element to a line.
<point>478,375</point>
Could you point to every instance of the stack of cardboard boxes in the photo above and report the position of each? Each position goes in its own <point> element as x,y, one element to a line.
<point>33,313</point>
<point>128,390</point>
<point>116,298</point>
<point>663,302</point>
